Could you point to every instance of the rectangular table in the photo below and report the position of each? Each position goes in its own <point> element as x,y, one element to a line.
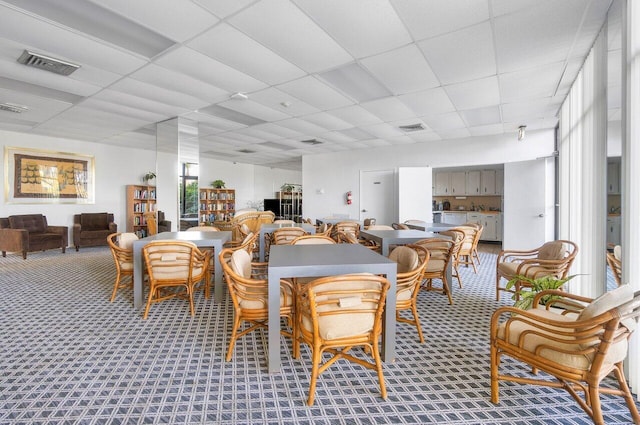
<point>395,237</point>
<point>286,261</point>
<point>270,227</point>
<point>201,239</point>
<point>431,227</point>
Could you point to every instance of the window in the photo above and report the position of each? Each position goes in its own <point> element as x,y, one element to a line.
<point>189,190</point>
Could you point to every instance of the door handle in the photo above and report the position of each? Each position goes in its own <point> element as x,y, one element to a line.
<point>541,215</point>
<point>364,210</point>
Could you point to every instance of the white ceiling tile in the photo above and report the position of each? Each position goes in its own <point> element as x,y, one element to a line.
<point>356,115</point>
<point>444,122</point>
<point>277,130</point>
<point>132,139</point>
<point>532,109</point>
<point>482,116</point>
<point>158,94</point>
<point>428,102</point>
<point>402,70</point>
<point>213,121</point>
<point>145,104</point>
<point>374,143</point>
<point>454,134</point>
<point>284,28</point>
<point>401,140</point>
<point>305,128</point>
<point>254,109</point>
<point>274,98</point>
<point>474,94</point>
<point>101,105</point>
<point>230,46</point>
<point>336,137</point>
<point>536,36</point>
<point>363,27</point>
<point>429,18</point>
<point>540,81</point>
<point>316,93</point>
<point>328,121</point>
<point>223,8</point>
<point>162,15</point>
<point>505,7</point>
<point>389,109</point>
<point>486,130</point>
<point>463,55</point>
<point>204,68</point>
<point>40,109</point>
<point>49,39</point>
<point>424,136</point>
<point>382,131</point>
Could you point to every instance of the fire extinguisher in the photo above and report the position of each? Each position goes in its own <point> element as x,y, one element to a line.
<point>349,198</point>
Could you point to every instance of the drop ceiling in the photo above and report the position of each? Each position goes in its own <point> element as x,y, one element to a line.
<point>347,74</point>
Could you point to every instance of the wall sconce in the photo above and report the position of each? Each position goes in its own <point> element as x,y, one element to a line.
<point>521,130</point>
<point>320,191</point>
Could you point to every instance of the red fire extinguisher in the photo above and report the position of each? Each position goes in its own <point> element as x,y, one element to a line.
<point>349,198</point>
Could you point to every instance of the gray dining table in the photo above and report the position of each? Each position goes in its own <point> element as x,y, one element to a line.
<point>395,237</point>
<point>200,239</point>
<point>288,261</point>
<point>267,228</point>
<point>430,227</point>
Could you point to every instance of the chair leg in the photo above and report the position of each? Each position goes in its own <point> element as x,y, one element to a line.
<point>152,292</point>
<point>414,310</point>
<point>376,358</point>
<point>446,289</point>
<point>116,285</point>
<point>628,398</point>
<point>494,375</point>
<point>234,337</point>
<point>316,355</point>
<point>497,286</point>
<point>596,407</point>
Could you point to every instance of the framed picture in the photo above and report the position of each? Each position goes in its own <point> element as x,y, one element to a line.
<point>34,176</point>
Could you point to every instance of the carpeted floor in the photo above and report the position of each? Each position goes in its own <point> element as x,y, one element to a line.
<point>68,356</point>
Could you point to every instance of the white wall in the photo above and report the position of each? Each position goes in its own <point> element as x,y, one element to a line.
<point>337,173</point>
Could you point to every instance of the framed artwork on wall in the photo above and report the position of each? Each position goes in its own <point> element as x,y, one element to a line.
<point>34,176</point>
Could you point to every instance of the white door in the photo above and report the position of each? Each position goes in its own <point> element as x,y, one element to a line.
<point>528,204</point>
<point>378,197</point>
<point>414,194</point>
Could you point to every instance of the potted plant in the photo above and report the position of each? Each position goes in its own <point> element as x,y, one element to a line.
<point>539,284</point>
<point>218,184</point>
<point>287,187</point>
<point>150,175</point>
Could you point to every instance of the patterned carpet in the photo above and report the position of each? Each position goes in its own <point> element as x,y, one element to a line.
<point>68,356</point>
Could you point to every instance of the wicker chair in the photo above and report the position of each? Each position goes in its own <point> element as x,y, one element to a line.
<point>345,226</point>
<point>121,245</point>
<point>412,261</point>
<point>614,260</point>
<point>465,254</point>
<point>152,223</point>
<point>457,236</point>
<point>248,287</point>
<point>312,240</point>
<point>441,256</point>
<point>337,313</point>
<point>400,226</point>
<point>203,229</point>
<point>578,347</point>
<point>175,264</point>
<point>551,259</point>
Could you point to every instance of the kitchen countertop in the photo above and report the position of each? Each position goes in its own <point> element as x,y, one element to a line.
<point>468,211</point>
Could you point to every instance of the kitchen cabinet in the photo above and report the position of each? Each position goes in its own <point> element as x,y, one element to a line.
<point>488,182</point>
<point>473,183</point>
<point>441,184</point>
<point>499,182</point>
<point>613,230</point>
<point>451,217</point>
<point>491,223</point>
<point>458,183</point>
<point>613,177</point>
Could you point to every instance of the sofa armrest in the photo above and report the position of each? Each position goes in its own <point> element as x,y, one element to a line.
<point>113,227</point>
<point>14,240</point>
<point>61,230</point>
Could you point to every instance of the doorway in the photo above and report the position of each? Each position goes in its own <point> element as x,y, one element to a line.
<point>378,196</point>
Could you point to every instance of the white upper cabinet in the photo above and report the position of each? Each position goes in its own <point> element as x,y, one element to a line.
<point>458,183</point>
<point>473,183</point>
<point>441,184</point>
<point>499,182</point>
<point>613,177</point>
<point>488,182</point>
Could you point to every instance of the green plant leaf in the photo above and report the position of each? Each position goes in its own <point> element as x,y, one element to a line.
<point>528,293</point>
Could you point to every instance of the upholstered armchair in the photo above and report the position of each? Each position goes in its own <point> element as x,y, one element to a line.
<point>92,229</point>
<point>30,232</point>
<point>163,225</point>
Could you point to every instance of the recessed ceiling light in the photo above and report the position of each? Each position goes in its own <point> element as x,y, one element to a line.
<point>412,127</point>
<point>286,103</point>
<point>312,142</point>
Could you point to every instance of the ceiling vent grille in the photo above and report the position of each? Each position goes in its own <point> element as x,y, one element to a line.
<point>246,151</point>
<point>312,142</point>
<point>11,107</point>
<point>412,127</point>
<point>47,63</point>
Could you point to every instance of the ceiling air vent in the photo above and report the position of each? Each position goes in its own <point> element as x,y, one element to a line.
<point>47,63</point>
<point>412,127</point>
<point>246,151</point>
<point>312,142</point>
<point>11,107</point>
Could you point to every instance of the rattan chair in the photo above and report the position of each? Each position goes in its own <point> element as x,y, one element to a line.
<point>349,237</point>
<point>121,245</point>
<point>412,261</point>
<point>614,260</point>
<point>441,257</point>
<point>203,229</point>
<point>175,264</point>
<point>457,236</point>
<point>380,227</point>
<point>338,313</point>
<point>399,226</point>
<point>578,347</point>
<point>248,287</point>
<point>313,240</point>
<point>345,226</point>
<point>465,254</point>
<point>152,223</point>
<point>551,259</point>
<point>324,229</point>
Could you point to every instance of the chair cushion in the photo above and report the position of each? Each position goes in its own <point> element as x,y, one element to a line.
<point>125,240</point>
<point>435,265</point>
<point>33,223</point>
<point>406,258</point>
<point>617,252</point>
<point>607,301</point>
<point>553,250</point>
<point>508,269</point>
<point>241,263</point>
<point>94,221</point>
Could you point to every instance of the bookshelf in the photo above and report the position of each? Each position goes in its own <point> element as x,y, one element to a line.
<point>140,199</point>
<point>216,205</point>
<point>291,205</point>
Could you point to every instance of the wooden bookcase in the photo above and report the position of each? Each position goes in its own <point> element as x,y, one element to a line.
<point>216,205</point>
<point>140,199</point>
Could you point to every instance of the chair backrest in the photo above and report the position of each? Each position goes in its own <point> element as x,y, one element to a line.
<point>152,222</point>
<point>399,226</point>
<point>171,261</point>
<point>614,260</point>
<point>369,222</point>
<point>441,252</point>
<point>284,235</point>
<point>324,229</point>
<point>313,240</point>
<point>469,235</point>
<point>380,227</point>
<point>121,245</point>
<point>284,222</point>
<point>346,237</point>
<point>406,258</point>
<point>345,226</point>
<point>412,262</point>
<point>203,229</point>
<point>556,257</point>
<point>247,293</point>
<point>344,307</point>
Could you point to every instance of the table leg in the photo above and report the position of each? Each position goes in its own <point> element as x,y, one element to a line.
<point>138,284</point>
<point>273,327</point>
<point>218,288</point>
<point>261,245</point>
<point>389,331</point>
<point>385,248</point>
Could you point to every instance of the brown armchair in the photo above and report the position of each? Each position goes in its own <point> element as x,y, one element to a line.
<point>30,232</point>
<point>92,229</point>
